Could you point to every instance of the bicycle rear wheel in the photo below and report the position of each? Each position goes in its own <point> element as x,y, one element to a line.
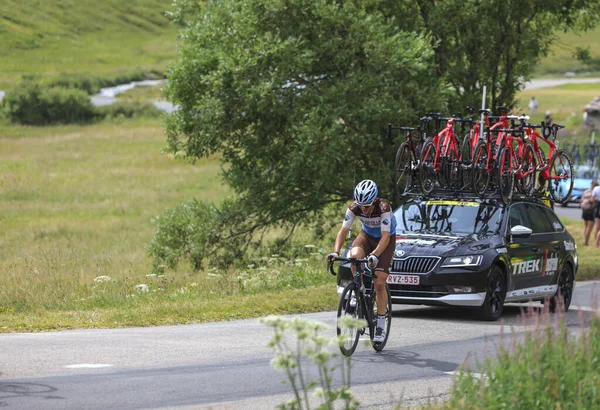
<point>480,174</point>
<point>561,170</point>
<point>526,183</point>
<point>349,306</point>
<point>506,181</point>
<point>466,159</point>
<point>388,318</point>
<point>403,169</point>
<point>427,172</point>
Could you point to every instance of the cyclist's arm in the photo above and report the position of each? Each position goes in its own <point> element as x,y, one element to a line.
<point>342,234</point>
<point>339,240</point>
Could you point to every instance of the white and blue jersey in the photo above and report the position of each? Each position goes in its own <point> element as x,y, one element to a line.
<point>378,220</point>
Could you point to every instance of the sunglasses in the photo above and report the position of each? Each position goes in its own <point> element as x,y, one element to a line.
<point>363,207</point>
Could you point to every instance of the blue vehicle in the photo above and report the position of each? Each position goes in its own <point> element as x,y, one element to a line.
<point>584,176</point>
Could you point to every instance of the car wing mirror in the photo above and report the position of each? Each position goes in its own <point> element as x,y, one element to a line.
<point>520,231</point>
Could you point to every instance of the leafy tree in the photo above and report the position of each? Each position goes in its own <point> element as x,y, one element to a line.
<point>494,42</point>
<point>295,96</point>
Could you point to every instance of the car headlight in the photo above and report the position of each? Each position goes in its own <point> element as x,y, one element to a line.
<point>462,261</point>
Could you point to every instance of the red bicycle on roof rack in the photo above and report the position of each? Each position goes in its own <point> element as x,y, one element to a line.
<point>554,168</point>
<point>441,162</point>
<point>515,165</point>
<point>487,157</point>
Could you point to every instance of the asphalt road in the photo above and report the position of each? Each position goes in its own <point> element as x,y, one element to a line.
<point>572,211</point>
<point>227,365</point>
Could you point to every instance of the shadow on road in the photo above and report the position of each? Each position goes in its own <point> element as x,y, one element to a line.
<point>12,390</point>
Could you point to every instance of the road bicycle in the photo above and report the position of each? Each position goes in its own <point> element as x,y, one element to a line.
<point>407,160</point>
<point>516,166</point>
<point>358,302</point>
<point>554,168</point>
<point>499,140</point>
<point>406,164</point>
<point>441,161</point>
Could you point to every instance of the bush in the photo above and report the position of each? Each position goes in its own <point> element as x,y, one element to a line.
<point>33,104</point>
<point>183,232</point>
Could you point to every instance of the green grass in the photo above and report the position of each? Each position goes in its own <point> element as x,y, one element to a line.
<point>84,37</point>
<point>565,102</point>
<point>550,369</point>
<point>560,59</point>
<point>145,93</point>
<point>589,256</point>
<point>76,203</point>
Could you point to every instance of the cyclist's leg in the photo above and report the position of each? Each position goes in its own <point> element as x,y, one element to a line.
<point>360,247</point>
<point>383,269</point>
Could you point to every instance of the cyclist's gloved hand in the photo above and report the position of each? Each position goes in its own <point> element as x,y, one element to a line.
<point>331,256</point>
<point>373,260</point>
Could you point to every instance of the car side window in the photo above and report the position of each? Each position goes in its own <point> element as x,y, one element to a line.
<point>517,216</point>
<point>557,226</point>
<point>539,221</point>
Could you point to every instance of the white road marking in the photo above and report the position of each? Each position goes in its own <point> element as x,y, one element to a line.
<point>457,372</point>
<point>88,366</point>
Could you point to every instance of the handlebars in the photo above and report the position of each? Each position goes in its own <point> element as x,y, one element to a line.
<point>355,261</point>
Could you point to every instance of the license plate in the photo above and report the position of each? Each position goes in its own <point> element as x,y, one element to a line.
<point>404,279</point>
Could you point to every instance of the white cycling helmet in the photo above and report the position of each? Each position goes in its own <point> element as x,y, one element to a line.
<point>365,192</point>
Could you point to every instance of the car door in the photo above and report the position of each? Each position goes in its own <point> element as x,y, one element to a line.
<point>520,251</point>
<point>556,247</point>
<point>530,271</point>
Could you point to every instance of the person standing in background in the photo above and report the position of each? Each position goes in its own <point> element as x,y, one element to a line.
<point>533,105</point>
<point>596,194</point>
<point>587,203</point>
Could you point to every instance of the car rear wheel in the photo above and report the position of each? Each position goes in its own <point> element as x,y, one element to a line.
<point>562,299</point>
<point>495,294</point>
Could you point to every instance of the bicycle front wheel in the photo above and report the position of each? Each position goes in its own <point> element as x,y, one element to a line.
<point>561,176</point>
<point>349,306</point>
<point>388,318</point>
<point>403,169</point>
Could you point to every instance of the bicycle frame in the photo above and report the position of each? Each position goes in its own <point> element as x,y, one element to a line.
<point>365,300</point>
<point>514,155</point>
<point>444,139</point>
<point>544,162</point>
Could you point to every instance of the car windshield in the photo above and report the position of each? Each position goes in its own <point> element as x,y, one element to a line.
<point>448,216</point>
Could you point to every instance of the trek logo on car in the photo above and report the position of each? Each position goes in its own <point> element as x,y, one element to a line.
<point>527,267</point>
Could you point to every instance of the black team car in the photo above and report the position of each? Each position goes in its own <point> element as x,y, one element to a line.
<point>479,253</point>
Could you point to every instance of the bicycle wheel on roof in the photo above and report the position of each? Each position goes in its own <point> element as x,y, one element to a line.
<point>561,173</point>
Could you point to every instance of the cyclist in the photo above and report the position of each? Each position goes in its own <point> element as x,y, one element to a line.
<point>376,240</point>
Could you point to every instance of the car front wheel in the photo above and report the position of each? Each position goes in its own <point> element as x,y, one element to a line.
<point>495,294</point>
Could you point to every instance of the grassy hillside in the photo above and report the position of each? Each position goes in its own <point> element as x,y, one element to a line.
<point>565,102</point>
<point>560,59</point>
<point>84,37</point>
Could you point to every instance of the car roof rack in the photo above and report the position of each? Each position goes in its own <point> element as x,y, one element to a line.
<point>467,195</point>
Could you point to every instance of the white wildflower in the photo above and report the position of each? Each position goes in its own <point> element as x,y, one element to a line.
<point>103,278</point>
<point>141,288</point>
